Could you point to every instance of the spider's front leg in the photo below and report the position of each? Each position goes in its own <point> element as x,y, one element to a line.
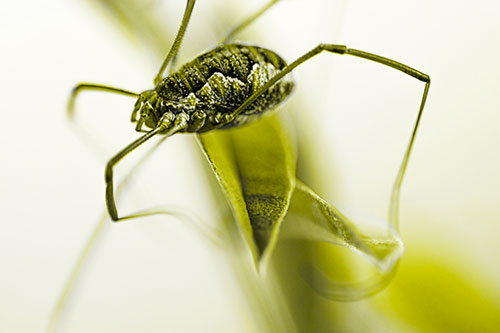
<point>167,126</point>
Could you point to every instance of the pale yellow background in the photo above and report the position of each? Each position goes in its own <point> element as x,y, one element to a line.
<point>158,275</point>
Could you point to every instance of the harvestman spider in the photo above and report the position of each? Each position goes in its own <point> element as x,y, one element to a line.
<point>228,86</point>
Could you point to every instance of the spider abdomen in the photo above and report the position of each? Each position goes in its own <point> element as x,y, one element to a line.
<point>220,80</point>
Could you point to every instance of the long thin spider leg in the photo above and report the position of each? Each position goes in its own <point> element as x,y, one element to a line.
<point>316,279</point>
<point>70,107</point>
<point>394,204</point>
<point>189,218</point>
<point>172,54</point>
<point>110,200</point>
<point>338,49</point>
<point>179,124</point>
<point>192,220</point>
<point>247,21</point>
<point>89,137</point>
<point>75,271</point>
<point>342,49</point>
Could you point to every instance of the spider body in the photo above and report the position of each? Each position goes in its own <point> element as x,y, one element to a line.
<point>211,86</point>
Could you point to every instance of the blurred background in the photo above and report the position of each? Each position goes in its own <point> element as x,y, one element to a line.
<point>354,122</point>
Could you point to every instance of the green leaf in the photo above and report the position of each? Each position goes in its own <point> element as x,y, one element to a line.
<point>313,219</point>
<point>255,166</point>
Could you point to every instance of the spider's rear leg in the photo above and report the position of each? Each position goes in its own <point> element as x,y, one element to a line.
<point>342,49</point>
<point>337,49</point>
<point>83,131</point>
<point>70,107</point>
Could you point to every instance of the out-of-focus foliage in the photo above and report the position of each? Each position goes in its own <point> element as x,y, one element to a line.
<point>433,294</point>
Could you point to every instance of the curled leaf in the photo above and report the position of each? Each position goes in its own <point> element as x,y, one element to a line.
<point>312,218</point>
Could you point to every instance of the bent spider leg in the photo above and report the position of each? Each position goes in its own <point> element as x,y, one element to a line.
<point>89,244</point>
<point>70,107</point>
<point>88,136</point>
<point>342,49</point>
<point>180,123</point>
<point>394,203</point>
